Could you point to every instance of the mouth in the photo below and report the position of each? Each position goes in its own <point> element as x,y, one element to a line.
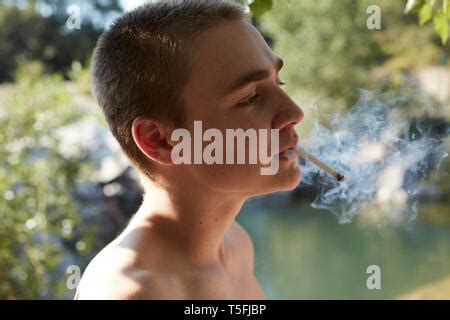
<point>289,152</point>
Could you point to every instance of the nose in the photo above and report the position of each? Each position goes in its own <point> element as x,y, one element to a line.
<point>289,113</point>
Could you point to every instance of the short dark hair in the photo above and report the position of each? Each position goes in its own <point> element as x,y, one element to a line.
<point>141,62</point>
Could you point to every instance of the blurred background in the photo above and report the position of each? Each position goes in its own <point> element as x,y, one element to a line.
<point>66,191</point>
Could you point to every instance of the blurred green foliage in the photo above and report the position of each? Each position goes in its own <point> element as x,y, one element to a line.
<point>432,10</point>
<point>27,34</point>
<point>330,53</point>
<point>37,211</point>
<point>260,7</point>
<point>326,44</point>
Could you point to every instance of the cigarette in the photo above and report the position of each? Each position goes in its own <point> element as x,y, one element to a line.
<point>307,156</point>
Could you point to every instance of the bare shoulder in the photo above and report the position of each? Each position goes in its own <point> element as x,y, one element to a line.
<point>114,275</point>
<point>243,241</point>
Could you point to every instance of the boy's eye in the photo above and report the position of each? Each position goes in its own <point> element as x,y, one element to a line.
<point>250,100</point>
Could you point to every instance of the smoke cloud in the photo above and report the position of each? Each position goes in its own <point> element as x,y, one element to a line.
<point>385,146</point>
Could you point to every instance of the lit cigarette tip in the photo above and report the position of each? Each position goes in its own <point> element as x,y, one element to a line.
<point>307,156</point>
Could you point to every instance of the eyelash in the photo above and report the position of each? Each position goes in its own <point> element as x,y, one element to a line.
<point>250,100</point>
<point>254,97</point>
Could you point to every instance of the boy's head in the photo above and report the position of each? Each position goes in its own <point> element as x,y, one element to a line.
<point>169,63</point>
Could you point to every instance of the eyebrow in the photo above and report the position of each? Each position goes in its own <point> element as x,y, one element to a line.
<point>252,76</point>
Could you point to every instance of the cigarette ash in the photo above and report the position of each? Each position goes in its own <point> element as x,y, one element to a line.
<point>385,146</point>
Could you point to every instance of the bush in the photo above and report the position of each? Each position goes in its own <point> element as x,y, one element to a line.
<point>37,210</point>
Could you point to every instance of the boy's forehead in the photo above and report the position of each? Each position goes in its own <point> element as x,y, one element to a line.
<point>221,53</point>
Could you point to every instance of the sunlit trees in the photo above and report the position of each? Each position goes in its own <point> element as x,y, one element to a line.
<point>38,213</point>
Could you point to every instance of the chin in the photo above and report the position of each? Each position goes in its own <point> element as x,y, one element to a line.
<point>291,179</point>
<point>287,179</point>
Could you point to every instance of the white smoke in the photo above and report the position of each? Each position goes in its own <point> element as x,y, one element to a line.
<point>384,147</point>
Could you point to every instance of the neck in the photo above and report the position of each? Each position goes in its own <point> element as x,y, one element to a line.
<point>194,222</point>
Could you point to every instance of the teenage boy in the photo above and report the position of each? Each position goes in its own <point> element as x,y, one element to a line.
<point>161,67</point>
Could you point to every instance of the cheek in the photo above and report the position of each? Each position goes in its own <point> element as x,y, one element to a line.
<point>228,177</point>
<point>246,178</point>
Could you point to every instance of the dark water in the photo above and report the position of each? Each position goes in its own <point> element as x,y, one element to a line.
<point>304,253</point>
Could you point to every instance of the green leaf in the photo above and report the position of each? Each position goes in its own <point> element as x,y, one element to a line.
<point>441,25</point>
<point>260,7</point>
<point>425,13</point>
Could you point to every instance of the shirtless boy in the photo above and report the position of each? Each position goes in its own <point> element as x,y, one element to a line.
<point>161,67</point>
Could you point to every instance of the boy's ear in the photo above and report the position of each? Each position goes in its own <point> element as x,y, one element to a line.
<point>152,139</point>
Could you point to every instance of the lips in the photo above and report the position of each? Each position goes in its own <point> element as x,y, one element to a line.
<point>288,152</point>
<point>291,145</point>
